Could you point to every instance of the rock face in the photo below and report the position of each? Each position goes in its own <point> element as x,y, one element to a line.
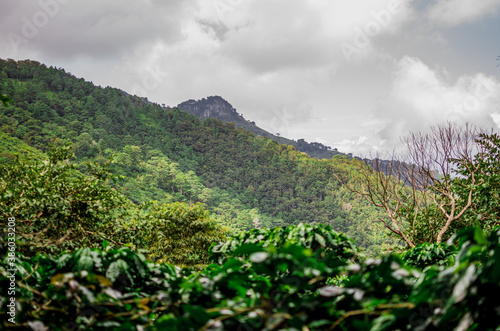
<point>211,107</point>
<point>218,108</point>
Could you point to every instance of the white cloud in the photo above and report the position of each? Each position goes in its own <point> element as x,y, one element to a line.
<point>95,29</point>
<point>360,146</point>
<point>454,12</point>
<point>265,36</point>
<point>421,97</point>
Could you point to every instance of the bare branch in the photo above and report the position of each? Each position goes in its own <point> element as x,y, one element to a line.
<point>406,185</point>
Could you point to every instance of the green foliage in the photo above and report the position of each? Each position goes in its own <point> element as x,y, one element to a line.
<point>56,206</point>
<point>59,207</point>
<point>10,146</point>
<point>476,178</point>
<point>88,289</point>
<point>171,156</point>
<point>5,99</point>
<point>427,254</point>
<point>175,233</point>
<point>465,294</point>
<point>276,288</point>
<point>319,237</point>
<point>485,207</point>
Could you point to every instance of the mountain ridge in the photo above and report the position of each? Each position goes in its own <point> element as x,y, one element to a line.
<point>217,107</point>
<point>167,155</point>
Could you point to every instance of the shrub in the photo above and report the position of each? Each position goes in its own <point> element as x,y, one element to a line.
<point>320,238</point>
<point>425,255</point>
<point>56,206</point>
<point>176,233</point>
<point>274,288</point>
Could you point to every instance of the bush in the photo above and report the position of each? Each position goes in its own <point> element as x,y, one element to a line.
<point>320,238</point>
<point>176,233</point>
<point>425,255</point>
<point>87,289</point>
<point>56,206</point>
<point>274,288</point>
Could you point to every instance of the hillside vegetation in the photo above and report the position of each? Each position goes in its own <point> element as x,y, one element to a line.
<point>298,277</point>
<point>118,214</point>
<point>218,108</point>
<point>246,181</point>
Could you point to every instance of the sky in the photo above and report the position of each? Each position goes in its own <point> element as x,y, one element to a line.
<point>356,75</point>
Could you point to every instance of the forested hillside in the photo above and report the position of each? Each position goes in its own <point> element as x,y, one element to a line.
<point>157,223</point>
<point>246,181</point>
<point>218,108</point>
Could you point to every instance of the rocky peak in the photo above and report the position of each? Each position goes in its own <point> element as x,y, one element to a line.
<point>211,107</point>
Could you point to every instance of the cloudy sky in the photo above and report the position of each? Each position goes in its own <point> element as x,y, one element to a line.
<point>353,74</point>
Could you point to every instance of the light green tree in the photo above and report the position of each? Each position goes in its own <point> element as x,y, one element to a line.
<point>57,207</point>
<point>177,233</point>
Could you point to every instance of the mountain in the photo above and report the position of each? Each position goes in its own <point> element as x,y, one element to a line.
<point>244,180</point>
<point>218,108</point>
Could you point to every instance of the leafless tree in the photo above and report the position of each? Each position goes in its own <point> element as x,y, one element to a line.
<point>415,187</point>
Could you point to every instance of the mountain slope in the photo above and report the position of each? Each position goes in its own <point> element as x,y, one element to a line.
<point>218,108</point>
<point>170,155</point>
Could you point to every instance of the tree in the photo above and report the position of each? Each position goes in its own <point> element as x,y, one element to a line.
<point>5,99</point>
<point>57,207</point>
<point>176,233</point>
<point>260,173</point>
<point>417,189</point>
<point>485,184</point>
<point>85,146</point>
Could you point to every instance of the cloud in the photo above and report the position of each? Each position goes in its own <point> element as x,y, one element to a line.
<point>279,62</point>
<point>421,97</point>
<point>455,12</point>
<point>266,36</point>
<point>361,146</point>
<point>95,29</point>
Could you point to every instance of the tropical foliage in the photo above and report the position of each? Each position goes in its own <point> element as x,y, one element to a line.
<point>486,190</point>
<point>56,206</point>
<point>178,233</point>
<point>425,255</point>
<point>61,205</point>
<point>277,287</point>
<point>318,237</point>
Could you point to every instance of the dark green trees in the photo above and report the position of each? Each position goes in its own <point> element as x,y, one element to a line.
<point>217,164</point>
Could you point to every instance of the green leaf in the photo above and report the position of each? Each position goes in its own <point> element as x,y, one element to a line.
<point>115,269</point>
<point>320,239</point>
<point>85,263</point>
<point>461,288</point>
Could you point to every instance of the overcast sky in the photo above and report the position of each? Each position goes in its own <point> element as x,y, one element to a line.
<point>353,74</point>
